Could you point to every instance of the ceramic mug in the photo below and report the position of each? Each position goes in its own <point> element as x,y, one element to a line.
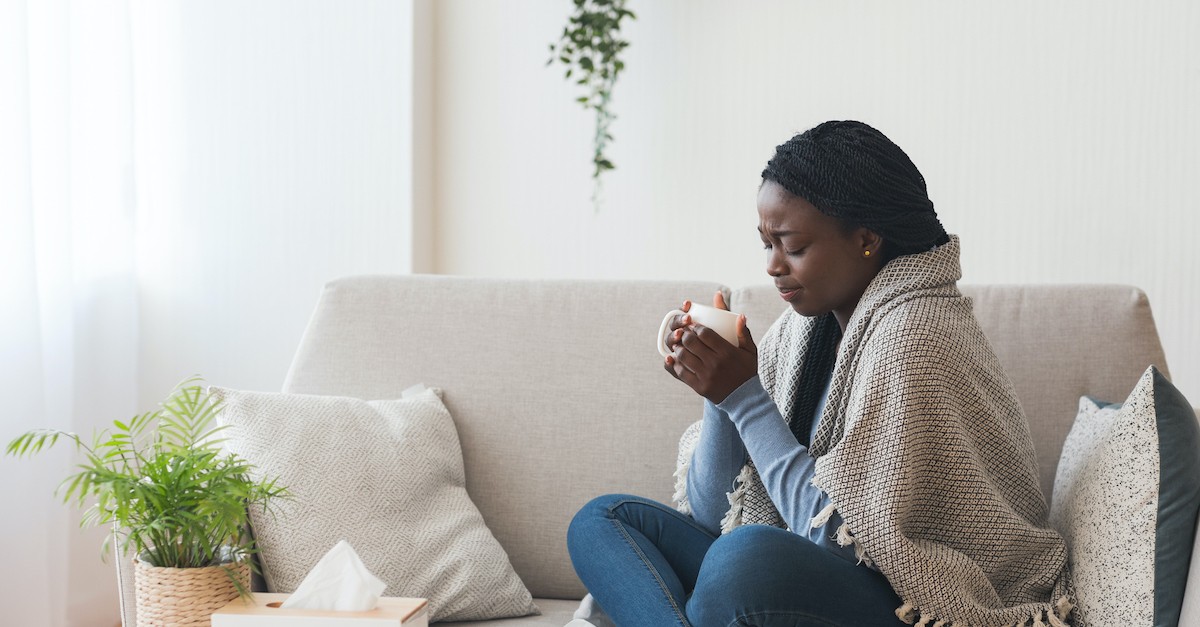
<point>719,320</point>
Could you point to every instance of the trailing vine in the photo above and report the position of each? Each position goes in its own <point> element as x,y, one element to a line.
<point>590,47</point>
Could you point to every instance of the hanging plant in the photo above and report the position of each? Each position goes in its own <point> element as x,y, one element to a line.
<point>590,47</point>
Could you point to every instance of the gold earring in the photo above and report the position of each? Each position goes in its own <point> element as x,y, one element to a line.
<point>866,253</point>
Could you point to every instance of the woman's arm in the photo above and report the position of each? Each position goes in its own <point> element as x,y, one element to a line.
<point>783,463</point>
<point>716,462</point>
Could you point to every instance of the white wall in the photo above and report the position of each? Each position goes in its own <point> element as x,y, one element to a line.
<point>1059,140</point>
<point>275,145</point>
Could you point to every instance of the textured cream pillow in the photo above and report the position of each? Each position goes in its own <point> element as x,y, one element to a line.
<point>1125,499</point>
<point>386,476</point>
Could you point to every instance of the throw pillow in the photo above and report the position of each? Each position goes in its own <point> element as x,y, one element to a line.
<point>386,476</point>
<point>1126,498</point>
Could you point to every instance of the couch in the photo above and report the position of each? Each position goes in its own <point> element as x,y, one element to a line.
<point>559,395</point>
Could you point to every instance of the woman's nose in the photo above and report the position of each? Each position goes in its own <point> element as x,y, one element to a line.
<point>775,264</point>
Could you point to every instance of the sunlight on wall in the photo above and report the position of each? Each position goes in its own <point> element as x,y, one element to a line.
<point>271,160</point>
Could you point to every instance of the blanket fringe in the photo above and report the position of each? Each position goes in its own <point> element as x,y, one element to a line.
<point>733,518</point>
<point>680,497</point>
<point>861,554</point>
<point>912,616</point>
<point>907,613</point>
<point>822,518</point>
<point>844,538</point>
<point>1063,607</point>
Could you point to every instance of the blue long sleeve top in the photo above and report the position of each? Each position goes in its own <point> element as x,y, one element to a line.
<point>748,422</point>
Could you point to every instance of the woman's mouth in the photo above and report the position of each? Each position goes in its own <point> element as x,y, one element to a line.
<point>788,295</point>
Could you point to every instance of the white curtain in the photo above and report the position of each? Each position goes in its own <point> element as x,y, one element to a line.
<point>68,298</point>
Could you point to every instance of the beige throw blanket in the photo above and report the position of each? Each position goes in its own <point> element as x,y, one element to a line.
<point>924,451</point>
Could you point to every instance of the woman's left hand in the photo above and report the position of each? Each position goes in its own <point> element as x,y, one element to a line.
<point>709,364</point>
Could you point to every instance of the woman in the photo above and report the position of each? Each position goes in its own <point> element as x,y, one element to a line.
<point>869,463</point>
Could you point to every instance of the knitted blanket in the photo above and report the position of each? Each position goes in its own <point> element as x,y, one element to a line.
<point>924,451</point>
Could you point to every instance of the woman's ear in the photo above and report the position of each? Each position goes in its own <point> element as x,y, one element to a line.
<point>870,242</point>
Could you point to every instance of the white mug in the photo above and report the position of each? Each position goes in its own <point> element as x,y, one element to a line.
<point>719,320</point>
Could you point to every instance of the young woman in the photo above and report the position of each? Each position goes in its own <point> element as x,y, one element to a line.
<point>867,464</point>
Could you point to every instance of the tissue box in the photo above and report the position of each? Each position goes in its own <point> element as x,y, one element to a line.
<point>264,611</point>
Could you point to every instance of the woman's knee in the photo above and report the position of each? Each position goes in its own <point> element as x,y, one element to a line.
<point>754,543</point>
<point>759,571</point>
<point>741,573</point>
<point>594,511</point>
<point>600,511</point>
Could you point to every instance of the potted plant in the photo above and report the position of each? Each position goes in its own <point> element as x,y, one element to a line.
<point>175,500</point>
<point>591,47</point>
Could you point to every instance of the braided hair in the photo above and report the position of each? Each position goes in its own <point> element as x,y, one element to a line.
<point>852,172</point>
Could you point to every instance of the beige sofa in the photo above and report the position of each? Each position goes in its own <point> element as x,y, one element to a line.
<point>559,394</point>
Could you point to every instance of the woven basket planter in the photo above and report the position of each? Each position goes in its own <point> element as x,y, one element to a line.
<point>184,597</point>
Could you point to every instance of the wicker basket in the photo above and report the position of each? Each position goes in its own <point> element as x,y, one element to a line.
<point>183,597</point>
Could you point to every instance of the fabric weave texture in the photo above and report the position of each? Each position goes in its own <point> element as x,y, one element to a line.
<point>924,451</point>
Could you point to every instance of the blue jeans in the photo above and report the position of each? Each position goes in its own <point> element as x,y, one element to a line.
<point>647,564</point>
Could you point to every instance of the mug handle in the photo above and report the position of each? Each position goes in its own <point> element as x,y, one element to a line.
<point>664,328</point>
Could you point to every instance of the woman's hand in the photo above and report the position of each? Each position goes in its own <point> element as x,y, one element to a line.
<point>707,363</point>
<point>677,323</point>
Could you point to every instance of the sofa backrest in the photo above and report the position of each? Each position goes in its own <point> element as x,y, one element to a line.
<point>555,386</point>
<point>559,395</point>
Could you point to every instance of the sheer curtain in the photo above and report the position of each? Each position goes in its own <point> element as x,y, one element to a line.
<point>68,301</point>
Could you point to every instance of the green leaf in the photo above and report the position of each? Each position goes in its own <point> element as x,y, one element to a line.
<point>178,498</point>
<point>590,45</point>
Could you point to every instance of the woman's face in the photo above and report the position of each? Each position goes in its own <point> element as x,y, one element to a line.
<point>818,265</point>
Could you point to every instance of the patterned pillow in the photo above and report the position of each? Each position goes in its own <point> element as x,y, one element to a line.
<point>1125,498</point>
<point>386,476</point>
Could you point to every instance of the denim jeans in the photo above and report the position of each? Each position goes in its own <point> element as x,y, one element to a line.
<point>647,564</point>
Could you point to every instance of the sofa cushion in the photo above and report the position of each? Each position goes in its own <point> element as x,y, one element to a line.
<point>555,613</point>
<point>1126,499</point>
<point>386,476</point>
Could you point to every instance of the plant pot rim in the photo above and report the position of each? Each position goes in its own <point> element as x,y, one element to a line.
<point>226,560</point>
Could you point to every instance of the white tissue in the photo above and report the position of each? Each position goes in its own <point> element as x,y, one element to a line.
<point>338,582</point>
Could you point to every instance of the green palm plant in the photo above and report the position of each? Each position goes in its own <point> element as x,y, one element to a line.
<point>164,483</point>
